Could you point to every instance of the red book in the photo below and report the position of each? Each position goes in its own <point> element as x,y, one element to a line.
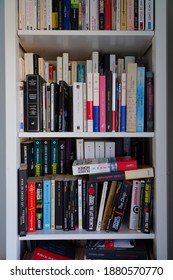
<point>42,254</point>
<point>31,206</point>
<point>108,15</point>
<point>126,163</point>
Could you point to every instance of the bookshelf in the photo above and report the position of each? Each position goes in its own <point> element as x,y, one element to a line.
<point>153,44</point>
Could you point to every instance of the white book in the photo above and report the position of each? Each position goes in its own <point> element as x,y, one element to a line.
<point>114,78</point>
<point>80,203</point>
<point>41,67</point>
<point>84,108</point>
<point>49,14</point>
<point>94,15</point>
<point>120,68</point>
<point>80,149</point>
<point>149,17</point>
<point>34,18</point>
<point>87,14</point>
<point>89,152</point>
<point>28,63</point>
<point>78,106</point>
<point>46,71</point>
<point>21,106</point>
<point>21,69</point>
<point>141,16</point>
<point>65,61</point>
<point>59,68</point>
<point>89,103</point>
<point>22,17</point>
<point>95,62</point>
<point>135,201</point>
<point>112,63</point>
<point>99,149</point>
<point>101,207</point>
<point>109,149</point>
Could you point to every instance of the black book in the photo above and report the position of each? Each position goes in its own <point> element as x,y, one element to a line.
<point>147,206</point>
<point>72,212</point>
<point>54,92</point>
<point>74,18</point>
<point>46,157</point>
<point>70,152</point>
<point>22,199</point>
<point>39,203</point>
<point>34,102</point>
<point>108,250</point>
<point>35,64</point>
<point>60,14</point>
<point>63,106</point>
<point>27,155</point>
<point>101,14</point>
<point>54,14</point>
<point>149,102</point>
<point>91,206</point>
<point>66,203</point>
<point>59,201</point>
<point>108,100</point>
<point>84,194</point>
<point>121,204</point>
<point>136,14</point>
<point>62,156</point>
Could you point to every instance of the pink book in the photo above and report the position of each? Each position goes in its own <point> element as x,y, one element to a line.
<point>130,14</point>
<point>102,103</point>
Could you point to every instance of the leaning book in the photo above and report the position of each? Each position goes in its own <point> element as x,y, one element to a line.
<point>91,166</point>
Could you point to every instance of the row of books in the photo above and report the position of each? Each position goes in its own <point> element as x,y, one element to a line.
<point>70,202</point>
<point>101,105</point>
<point>111,249</point>
<point>86,15</point>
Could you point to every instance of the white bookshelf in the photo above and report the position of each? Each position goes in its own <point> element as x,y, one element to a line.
<point>53,42</point>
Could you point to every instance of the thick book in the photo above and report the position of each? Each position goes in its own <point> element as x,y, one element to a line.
<point>116,249</point>
<point>22,199</point>
<point>34,101</point>
<point>126,163</point>
<point>89,166</point>
<point>139,173</point>
<point>91,206</point>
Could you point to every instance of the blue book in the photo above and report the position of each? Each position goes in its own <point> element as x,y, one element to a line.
<point>67,15</point>
<point>96,118</point>
<point>81,72</point>
<point>140,99</point>
<point>46,203</point>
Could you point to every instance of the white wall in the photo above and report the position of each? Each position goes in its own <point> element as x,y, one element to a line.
<point>2,138</point>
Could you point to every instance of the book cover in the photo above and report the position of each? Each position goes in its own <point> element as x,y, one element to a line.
<point>101,206</point>
<point>140,99</point>
<point>59,201</point>
<point>126,163</point>
<point>91,206</point>
<point>88,166</point>
<point>46,202</point>
<point>122,200</point>
<point>135,203</point>
<point>54,156</point>
<point>149,102</point>
<point>31,204</point>
<point>78,107</point>
<point>38,160</point>
<point>39,203</point>
<point>27,155</point>
<point>34,92</point>
<point>46,156</point>
<point>22,199</point>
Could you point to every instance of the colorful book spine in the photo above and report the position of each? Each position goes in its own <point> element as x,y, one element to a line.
<point>38,157</point>
<point>89,103</point>
<point>52,203</point>
<point>114,77</point>
<point>22,199</point>
<point>123,14</point>
<point>66,9</point>
<point>101,14</point>
<point>54,156</point>
<point>135,204</point>
<point>91,206</point>
<point>123,103</point>
<point>147,206</point>
<point>102,102</point>
<point>39,204</point>
<point>31,198</point>
<point>96,107</point>
<point>140,99</point>
<point>80,206</point>
<point>46,203</point>
<point>107,15</point>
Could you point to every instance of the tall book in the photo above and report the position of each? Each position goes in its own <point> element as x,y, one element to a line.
<point>131,97</point>
<point>91,206</point>
<point>59,201</point>
<point>149,102</point>
<point>89,103</point>
<point>149,14</point>
<point>22,199</point>
<point>46,202</point>
<point>135,204</point>
<point>108,75</point>
<point>140,99</point>
<point>147,206</point>
<point>96,106</point>
<point>102,102</point>
<point>54,91</point>
<point>34,101</point>
<point>66,202</point>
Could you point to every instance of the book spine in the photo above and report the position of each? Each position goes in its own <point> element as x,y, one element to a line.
<point>48,108</point>
<point>94,15</point>
<point>62,156</point>
<point>21,106</point>
<point>135,202</point>
<point>74,14</point>
<point>123,14</point>
<point>129,164</point>
<point>70,154</point>
<point>135,14</point>
<point>146,221</point>
<point>140,214</point>
<point>59,68</point>
<point>66,200</point>
<point>130,14</point>
<point>99,149</point>
<point>101,207</point>
<point>52,203</point>
<point>107,176</point>
<point>102,102</point>
<point>114,77</point>
<point>107,15</point>
<point>38,157</point>
<point>54,15</point>
<point>96,107</point>
<point>81,72</point>
<point>78,105</point>
<point>72,218</point>
<point>80,202</point>
<point>149,102</point>
<point>101,14</point>
<point>39,205</point>
<point>53,107</point>
<point>65,62</point>
<point>31,207</point>
<point>89,150</point>
<point>122,201</point>
<point>46,204</point>
<point>113,14</point>
<point>108,101</point>
<point>58,203</point>
<point>89,103</point>
<point>67,15</point>
<point>80,149</point>
<point>149,16</point>
<point>139,173</point>
<point>123,103</point>
<point>54,156</point>
<point>22,200</point>
<point>141,11</point>
<point>140,99</point>
<point>118,15</point>
<point>60,15</point>
<point>46,157</point>
<point>91,206</point>
<point>131,97</point>
<point>27,156</point>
